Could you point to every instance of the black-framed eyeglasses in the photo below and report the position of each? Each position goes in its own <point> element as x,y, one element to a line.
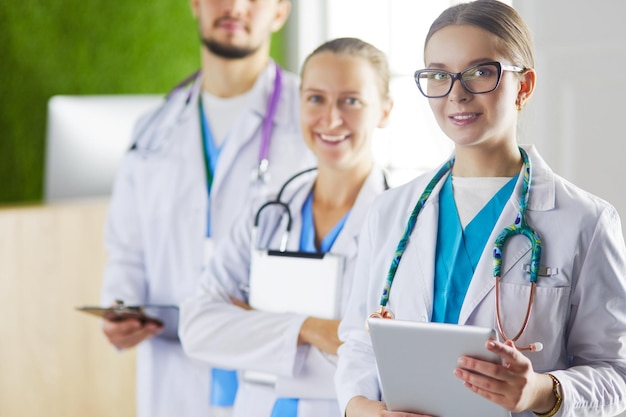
<point>479,79</point>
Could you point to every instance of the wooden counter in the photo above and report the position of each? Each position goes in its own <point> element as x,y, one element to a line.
<point>55,361</point>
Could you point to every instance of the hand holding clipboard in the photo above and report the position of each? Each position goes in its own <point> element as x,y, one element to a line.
<point>127,326</point>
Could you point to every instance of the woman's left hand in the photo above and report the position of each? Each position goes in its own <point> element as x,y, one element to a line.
<point>514,384</point>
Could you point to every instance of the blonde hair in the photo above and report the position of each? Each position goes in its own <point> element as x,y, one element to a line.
<point>358,48</point>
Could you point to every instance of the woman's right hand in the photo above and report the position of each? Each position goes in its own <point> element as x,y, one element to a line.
<point>362,407</point>
<point>129,333</point>
<point>321,333</point>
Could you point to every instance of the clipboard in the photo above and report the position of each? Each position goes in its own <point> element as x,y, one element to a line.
<point>416,361</point>
<point>293,282</point>
<point>296,282</point>
<point>160,314</point>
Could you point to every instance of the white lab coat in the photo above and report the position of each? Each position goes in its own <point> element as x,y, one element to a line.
<point>579,313</point>
<point>212,329</point>
<point>156,227</point>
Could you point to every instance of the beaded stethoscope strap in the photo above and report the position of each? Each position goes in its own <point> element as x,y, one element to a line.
<point>404,241</point>
<point>519,227</point>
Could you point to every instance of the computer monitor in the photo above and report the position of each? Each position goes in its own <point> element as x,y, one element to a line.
<point>85,140</point>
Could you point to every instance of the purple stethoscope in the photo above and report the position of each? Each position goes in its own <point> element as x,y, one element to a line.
<point>260,172</point>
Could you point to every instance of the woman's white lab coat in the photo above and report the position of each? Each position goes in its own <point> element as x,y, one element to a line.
<point>155,232</point>
<point>579,312</point>
<point>212,329</point>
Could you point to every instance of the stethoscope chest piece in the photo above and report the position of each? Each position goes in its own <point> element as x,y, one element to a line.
<point>260,173</point>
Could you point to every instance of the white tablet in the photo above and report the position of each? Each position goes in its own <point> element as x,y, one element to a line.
<point>416,362</point>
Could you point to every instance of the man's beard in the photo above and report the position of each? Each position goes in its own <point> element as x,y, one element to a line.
<point>228,52</point>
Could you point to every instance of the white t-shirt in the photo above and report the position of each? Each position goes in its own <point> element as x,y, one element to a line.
<point>222,113</point>
<point>472,193</point>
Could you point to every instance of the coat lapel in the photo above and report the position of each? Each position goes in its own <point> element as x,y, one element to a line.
<point>186,145</point>
<point>296,208</point>
<point>418,261</point>
<point>483,281</point>
<point>347,241</point>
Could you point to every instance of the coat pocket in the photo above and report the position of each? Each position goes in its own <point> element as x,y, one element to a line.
<point>547,323</point>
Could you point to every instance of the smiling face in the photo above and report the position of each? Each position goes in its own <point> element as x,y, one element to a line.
<point>238,28</point>
<point>341,105</point>
<point>474,119</point>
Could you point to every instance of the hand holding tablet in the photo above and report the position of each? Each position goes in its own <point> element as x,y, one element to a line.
<point>416,361</point>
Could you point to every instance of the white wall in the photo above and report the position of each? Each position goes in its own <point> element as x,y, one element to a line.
<point>576,115</point>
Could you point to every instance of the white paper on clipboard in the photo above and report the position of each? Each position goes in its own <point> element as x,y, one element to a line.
<point>295,282</point>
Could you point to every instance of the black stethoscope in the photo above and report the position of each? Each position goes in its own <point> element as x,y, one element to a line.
<point>519,227</point>
<point>287,211</point>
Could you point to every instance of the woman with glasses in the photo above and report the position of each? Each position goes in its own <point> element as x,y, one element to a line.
<point>493,238</point>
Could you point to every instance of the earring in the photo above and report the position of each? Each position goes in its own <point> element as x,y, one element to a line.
<point>518,104</point>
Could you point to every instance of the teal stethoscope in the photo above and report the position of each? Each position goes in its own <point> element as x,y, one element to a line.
<point>519,227</point>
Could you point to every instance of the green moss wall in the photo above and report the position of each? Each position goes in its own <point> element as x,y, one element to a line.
<point>81,47</point>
